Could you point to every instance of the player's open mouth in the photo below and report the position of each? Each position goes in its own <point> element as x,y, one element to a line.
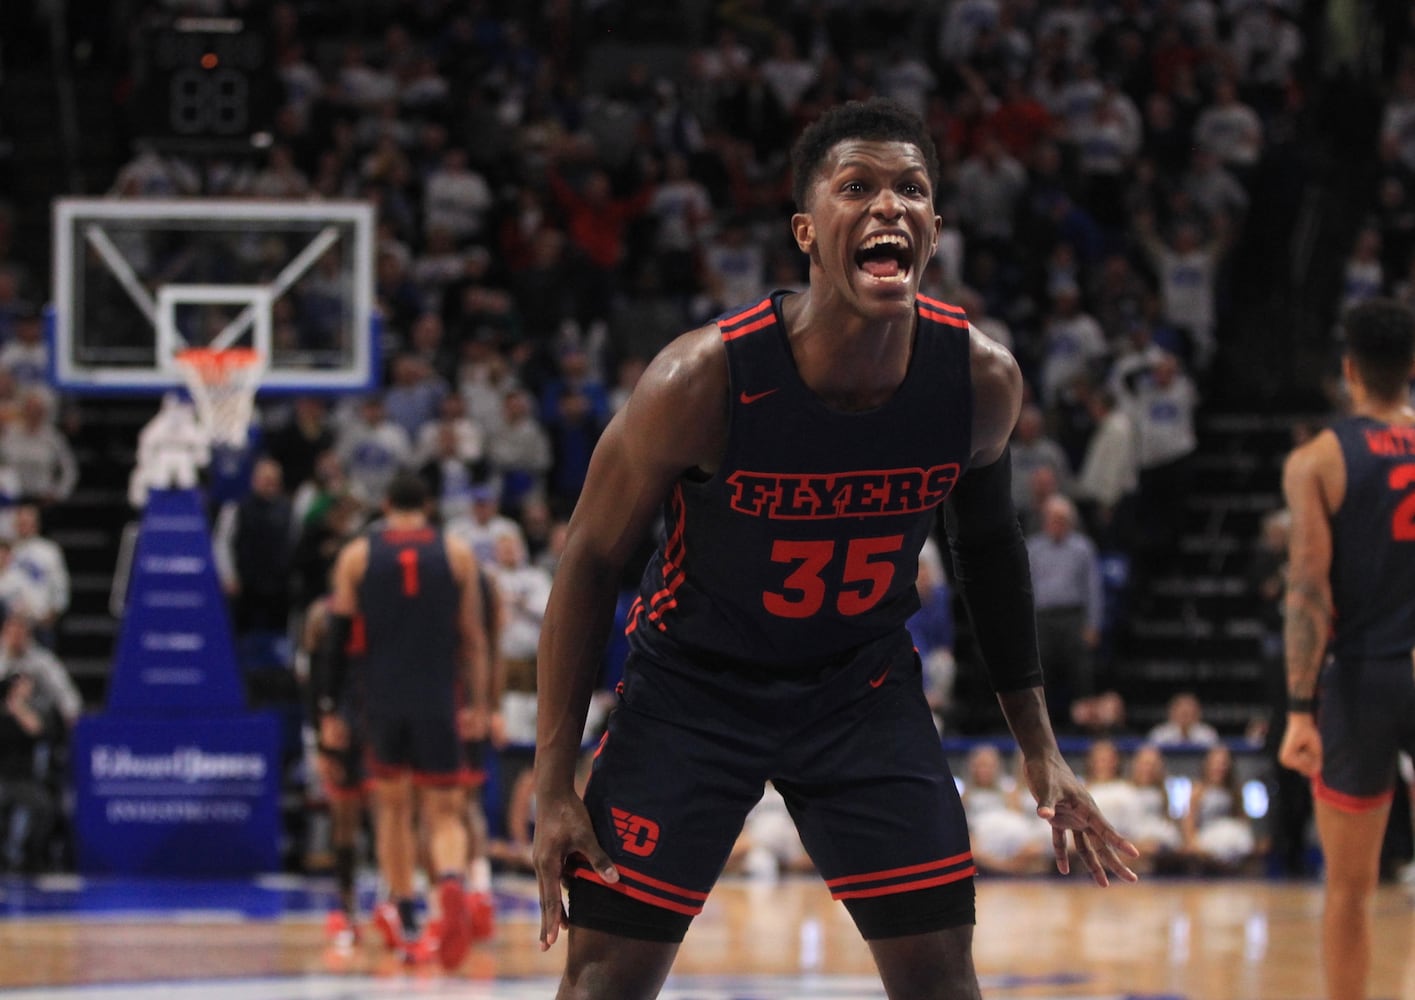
<point>885,257</point>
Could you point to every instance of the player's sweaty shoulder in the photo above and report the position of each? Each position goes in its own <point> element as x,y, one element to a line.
<point>997,396</point>
<point>681,400</point>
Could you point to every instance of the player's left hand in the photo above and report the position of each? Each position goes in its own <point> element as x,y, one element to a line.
<point>1062,800</point>
<point>333,732</point>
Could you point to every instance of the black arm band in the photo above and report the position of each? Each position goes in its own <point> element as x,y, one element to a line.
<point>993,574</point>
<point>331,663</point>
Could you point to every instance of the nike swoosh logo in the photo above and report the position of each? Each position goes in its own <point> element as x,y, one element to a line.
<point>875,682</point>
<point>747,398</point>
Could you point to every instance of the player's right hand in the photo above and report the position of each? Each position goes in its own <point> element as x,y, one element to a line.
<point>1301,748</point>
<point>563,829</point>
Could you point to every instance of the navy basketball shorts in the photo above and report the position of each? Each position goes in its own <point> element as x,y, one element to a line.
<point>853,750</point>
<point>428,746</point>
<point>1366,716</point>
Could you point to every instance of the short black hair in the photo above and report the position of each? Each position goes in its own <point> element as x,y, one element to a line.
<point>407,491</point>
<point>876,120</point>
<point>1380,340</point>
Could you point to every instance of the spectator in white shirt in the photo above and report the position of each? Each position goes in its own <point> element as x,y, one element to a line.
<point>1363,276</point>
<point>456,197</point>
<point>1231,130</point>
<point>1109,476</point>
<point>519,447</point>
<point>480,524</point>
<point>451,413</point>
<point>1184,724</point>
<point>363,86</point>
<point>373,450</point>
<point>682,209</point>
<point>54,688</point>
<point>1265,47</point>
<point>38,452</point>
<point>43,562</point>
<point>1162,401</point>
<point>734,266</point>
<point>20,593</point>
<point>1073,342</point>
<point>1106,143</point>
<point>786,73</point>
<point>989,185</point>
<point>1032,449</point>
<point>26,357</point>
<point>1187,269</point>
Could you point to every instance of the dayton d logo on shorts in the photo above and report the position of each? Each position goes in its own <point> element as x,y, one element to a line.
<point>638,836</point>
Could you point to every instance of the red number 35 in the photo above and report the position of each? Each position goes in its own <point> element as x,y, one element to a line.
<point>865,578</point>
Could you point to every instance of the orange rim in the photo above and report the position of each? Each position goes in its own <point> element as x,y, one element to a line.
<point>212,365</point>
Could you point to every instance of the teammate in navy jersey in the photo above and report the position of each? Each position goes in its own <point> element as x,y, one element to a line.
<point>417,593</point>
<point>800,447</point>
<point>1350,624</point>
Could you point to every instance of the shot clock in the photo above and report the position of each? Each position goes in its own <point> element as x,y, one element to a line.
<point>208,85</point>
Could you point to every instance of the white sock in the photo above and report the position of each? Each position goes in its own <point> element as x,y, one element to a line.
<point>479,875</point>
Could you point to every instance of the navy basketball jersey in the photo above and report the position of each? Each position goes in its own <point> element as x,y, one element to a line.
<point>409,600</point>
<point>1373,542</point>
<point>805,542</point>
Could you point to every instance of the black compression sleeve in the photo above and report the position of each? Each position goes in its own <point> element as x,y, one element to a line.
<point>331,663</point>
<point>993,575</point>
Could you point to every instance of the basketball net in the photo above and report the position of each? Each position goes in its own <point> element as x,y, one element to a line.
<point>222,384</point>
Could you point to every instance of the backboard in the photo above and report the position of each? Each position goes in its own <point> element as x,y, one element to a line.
<point>137,281</point>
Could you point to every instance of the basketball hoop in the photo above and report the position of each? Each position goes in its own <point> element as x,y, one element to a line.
<point>222,384</point>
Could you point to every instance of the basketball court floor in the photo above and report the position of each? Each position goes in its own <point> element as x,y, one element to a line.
<point>1040,939</point>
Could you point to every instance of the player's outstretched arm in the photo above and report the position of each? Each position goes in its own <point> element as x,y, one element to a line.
<point>675,421</point>
<point>994,578</point>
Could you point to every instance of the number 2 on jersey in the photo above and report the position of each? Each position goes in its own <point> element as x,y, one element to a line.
<point>408,559</point>
<point>865,577</point>
<point>1402,525</point>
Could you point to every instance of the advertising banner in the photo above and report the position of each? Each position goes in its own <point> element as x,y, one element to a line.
<point>176,796</point>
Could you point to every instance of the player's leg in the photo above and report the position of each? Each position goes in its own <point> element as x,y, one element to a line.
<point>397,851</point>
<point>1362,710</point>
<point>1351,847</point>
<point>441,777</point>
<point>345,816</point>
<point>442,812</point>
<point>936,964</point>
<point>878,811</point>
<point>667,801</point>
<point>481,909</point>
<point>605,966</point>
<point>389,758</point>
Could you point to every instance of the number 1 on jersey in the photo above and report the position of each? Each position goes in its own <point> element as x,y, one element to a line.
<point>408,559</point>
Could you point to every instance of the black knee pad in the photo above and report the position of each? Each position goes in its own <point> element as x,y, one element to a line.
<point>933,909</point>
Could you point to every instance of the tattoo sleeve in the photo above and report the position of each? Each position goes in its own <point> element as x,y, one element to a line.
<point>1305,631</point>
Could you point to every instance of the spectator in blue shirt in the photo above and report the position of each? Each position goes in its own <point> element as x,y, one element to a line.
<point>1066,582</point>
